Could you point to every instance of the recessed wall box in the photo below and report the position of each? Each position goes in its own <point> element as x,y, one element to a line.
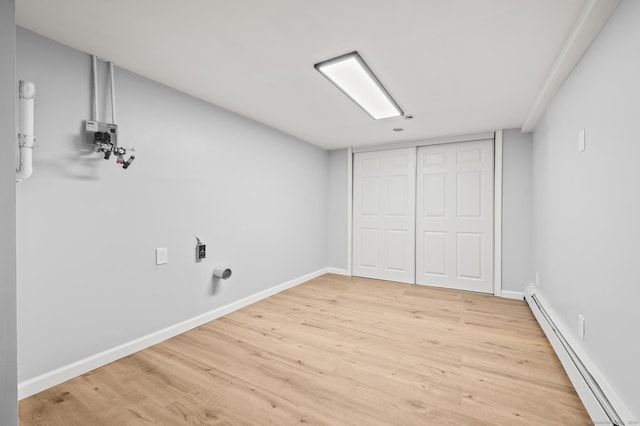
<point>101,133</point>
<point>201,252</point>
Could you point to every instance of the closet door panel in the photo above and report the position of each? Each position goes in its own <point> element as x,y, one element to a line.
<point>384,214</point>
<point>454,216</point>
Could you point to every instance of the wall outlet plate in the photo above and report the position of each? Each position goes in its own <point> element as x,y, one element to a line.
<point>581,326</point>
<point>162,256</point>
<point>582,140</point>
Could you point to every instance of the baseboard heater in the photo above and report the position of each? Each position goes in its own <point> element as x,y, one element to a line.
<point>590,392</point>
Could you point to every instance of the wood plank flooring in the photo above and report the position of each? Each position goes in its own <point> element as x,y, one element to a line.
<point>336,351</point>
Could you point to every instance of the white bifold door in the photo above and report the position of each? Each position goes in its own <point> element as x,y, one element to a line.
<point>384,214</point>
<point>454,216</point>
<point>425,215</point>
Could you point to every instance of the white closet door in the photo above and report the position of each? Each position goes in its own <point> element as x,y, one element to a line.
<point>384,214</point>
<point>454,219</point>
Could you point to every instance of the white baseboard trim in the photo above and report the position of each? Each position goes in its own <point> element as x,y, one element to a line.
<point>517,295</point>
<point>44,381</point>
<point>594,407</point>
<point>338,271</point>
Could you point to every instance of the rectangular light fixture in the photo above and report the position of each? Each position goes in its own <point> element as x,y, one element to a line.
<point>356,80</point>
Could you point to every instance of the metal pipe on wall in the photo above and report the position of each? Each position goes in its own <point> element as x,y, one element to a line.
<point>95,88</point>
<point>113,99</point>
<point>113,94</point>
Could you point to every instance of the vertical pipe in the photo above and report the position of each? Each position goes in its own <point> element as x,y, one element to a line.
<point>25,131</point>
<point>113,95</point>
<point>95,88</point>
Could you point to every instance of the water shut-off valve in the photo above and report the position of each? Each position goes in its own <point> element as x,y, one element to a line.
<point>104,136</point>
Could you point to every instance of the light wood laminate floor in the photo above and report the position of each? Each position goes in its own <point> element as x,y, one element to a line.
<point>335,350</point>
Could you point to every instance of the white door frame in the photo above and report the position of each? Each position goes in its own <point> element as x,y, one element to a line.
<point>497,192</point>
<point>497,214</point>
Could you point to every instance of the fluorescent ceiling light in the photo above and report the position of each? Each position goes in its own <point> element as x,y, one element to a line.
<point>356,80</point>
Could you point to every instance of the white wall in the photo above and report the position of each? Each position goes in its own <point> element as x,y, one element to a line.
<point>516,210</point>
<point>586,205</point>
<point>87,229</point>
<point>337,209</point>
<point>8,91</point>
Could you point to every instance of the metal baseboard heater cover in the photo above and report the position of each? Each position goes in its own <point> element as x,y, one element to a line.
<point>591,383</point>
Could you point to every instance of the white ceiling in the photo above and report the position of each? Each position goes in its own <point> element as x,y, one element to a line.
<point>459,66</point>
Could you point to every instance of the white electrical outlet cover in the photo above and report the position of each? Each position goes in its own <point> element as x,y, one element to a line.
<point>162,256</point>
<point>582,140</point>
<point>581,326</point>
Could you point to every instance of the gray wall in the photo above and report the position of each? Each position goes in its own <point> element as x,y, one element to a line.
<point>88,230</point>
<point>586,205</point>
<point>516,210</point>
<point>337,208</point>
<point>8,91</point>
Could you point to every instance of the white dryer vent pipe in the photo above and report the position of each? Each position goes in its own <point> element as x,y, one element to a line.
<point>25,131</point>
<point>222,272</point>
